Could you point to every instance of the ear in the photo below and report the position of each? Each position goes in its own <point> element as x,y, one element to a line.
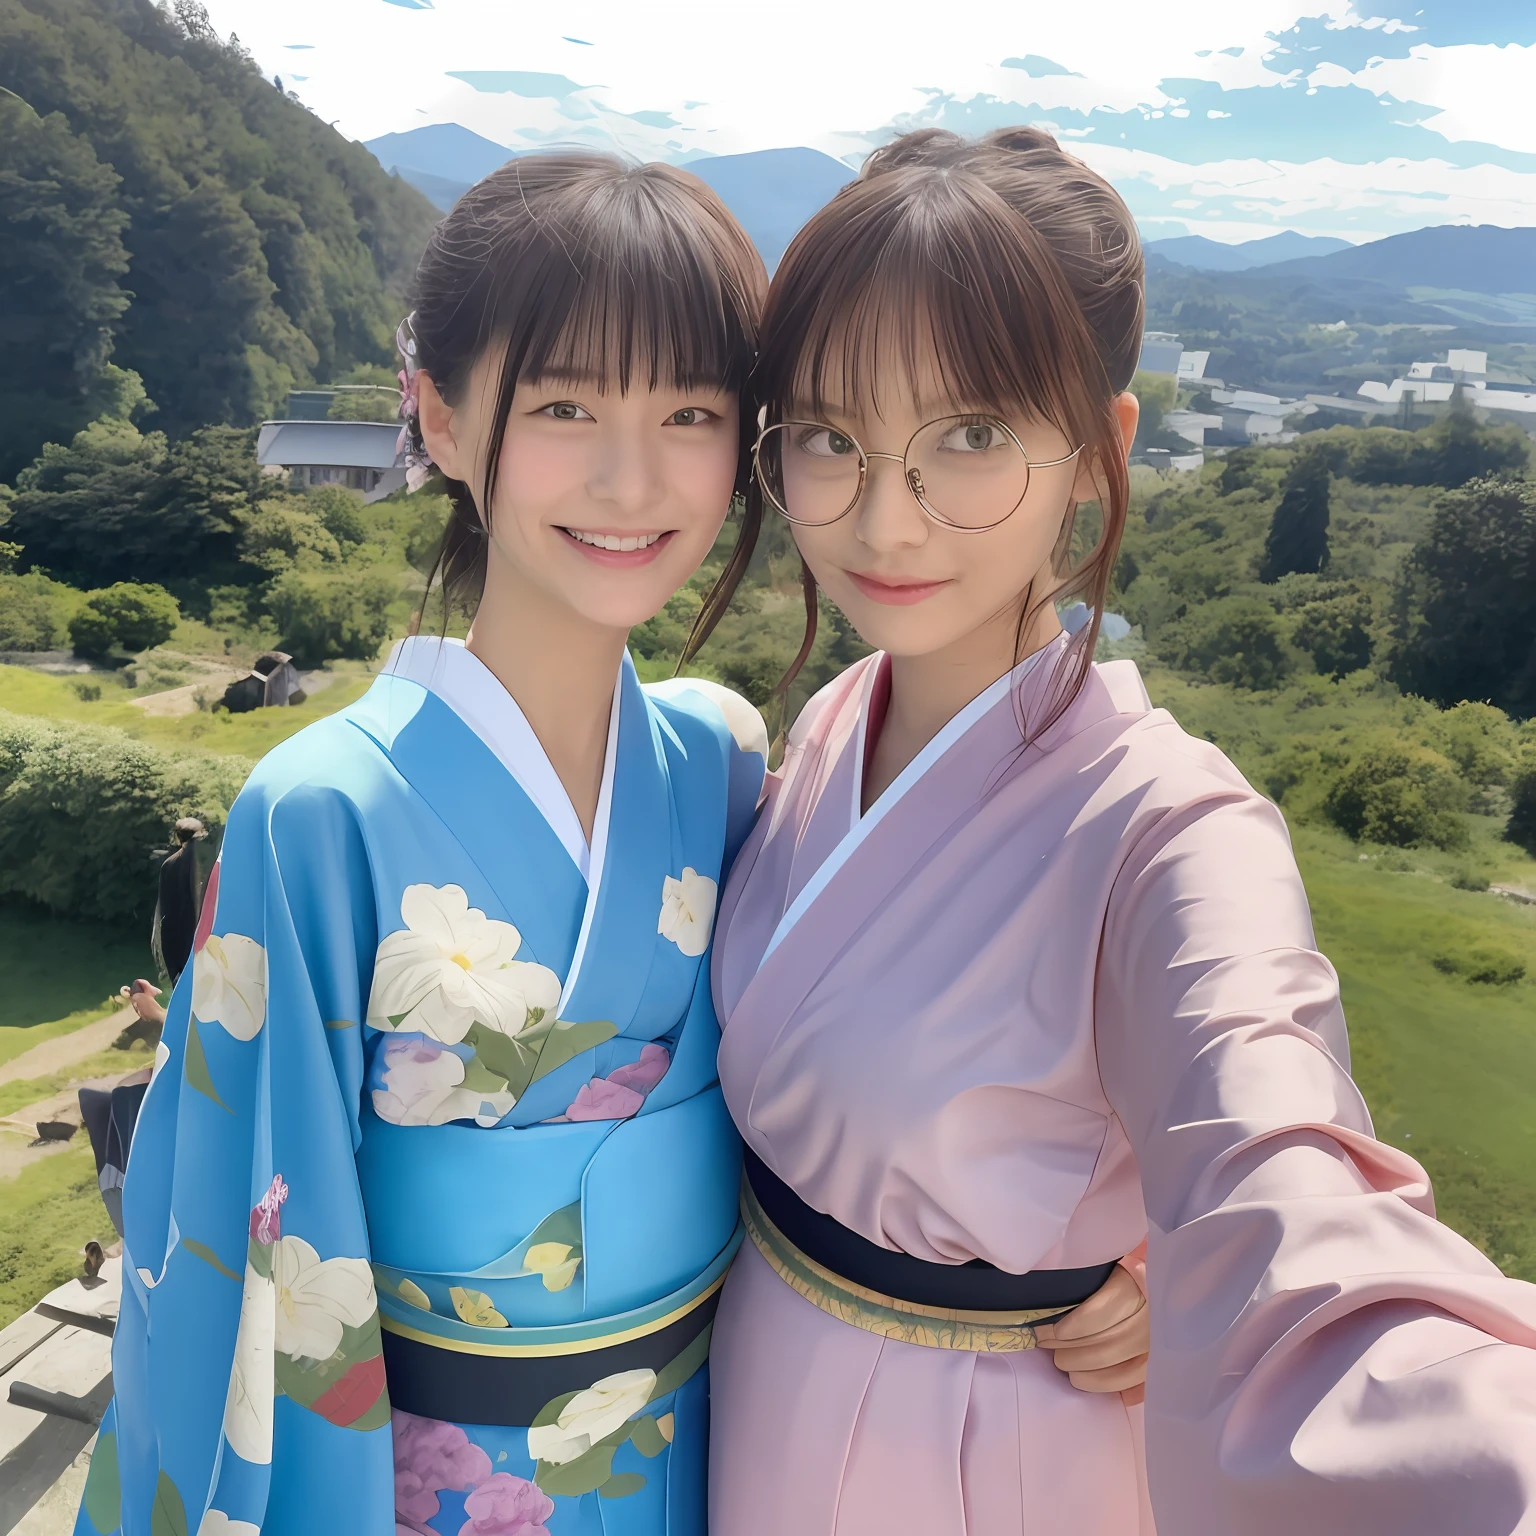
<point>1127,410</point>
<point>438,432</point>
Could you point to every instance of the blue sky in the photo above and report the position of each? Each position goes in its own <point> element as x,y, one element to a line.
<point>1231,118</point>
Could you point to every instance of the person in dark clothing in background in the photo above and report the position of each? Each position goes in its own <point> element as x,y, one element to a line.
<point>180,890</point>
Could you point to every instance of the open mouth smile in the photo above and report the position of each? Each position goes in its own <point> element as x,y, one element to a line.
<point>618,549</point>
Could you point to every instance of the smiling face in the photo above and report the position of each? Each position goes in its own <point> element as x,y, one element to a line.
<point>605,502</point>
<point>911,584</point>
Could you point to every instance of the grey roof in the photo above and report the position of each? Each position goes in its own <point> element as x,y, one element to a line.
<point>339,444</point>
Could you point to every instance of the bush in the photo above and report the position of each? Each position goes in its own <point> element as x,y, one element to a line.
<point>1235,639</point>
<point>34,613</point>
<point>1482,963</point>
<point>1521,828</point>
<point>130,614</point>
<point>1400,795</point>
<point>340,513</point>
<point>323,615</point>
<point>82,810</point>
<point>1336,632</point>
<point>284,532</point>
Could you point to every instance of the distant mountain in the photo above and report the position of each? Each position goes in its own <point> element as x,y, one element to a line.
<point>1471,258</point>
<point>443,150</point>
<point>1203,255</point>
<point>773,191</point>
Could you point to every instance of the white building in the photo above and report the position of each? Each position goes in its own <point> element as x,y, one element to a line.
<point>1437,383</point>
<point>1160,353</point>
<point>359,455</point>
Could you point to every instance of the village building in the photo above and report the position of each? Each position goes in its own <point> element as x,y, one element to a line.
<point>357,455</point>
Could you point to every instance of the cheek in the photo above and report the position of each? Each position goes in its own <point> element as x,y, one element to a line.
<point>702,477</point>
<point>536,472</point>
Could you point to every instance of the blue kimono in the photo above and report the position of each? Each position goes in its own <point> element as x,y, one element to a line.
<point>433,1191</point>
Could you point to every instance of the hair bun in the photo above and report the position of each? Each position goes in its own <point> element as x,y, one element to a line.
<point>924,146</point>
<point>1022,139</point>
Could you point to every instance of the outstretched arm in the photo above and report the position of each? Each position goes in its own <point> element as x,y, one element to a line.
<point>1326,1357</point>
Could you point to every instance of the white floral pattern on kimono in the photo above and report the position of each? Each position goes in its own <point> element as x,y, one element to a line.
<point>451,967</point>
<point>688,911</point>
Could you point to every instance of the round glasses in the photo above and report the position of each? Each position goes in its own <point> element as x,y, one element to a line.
<point>969,473</point>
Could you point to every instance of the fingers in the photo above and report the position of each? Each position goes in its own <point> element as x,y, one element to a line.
<point>1133,1397</point>
<point>1117,1299</point>
<point>1128,1375</point>
<point>1127,1342</point>
<point>1130,1336</point>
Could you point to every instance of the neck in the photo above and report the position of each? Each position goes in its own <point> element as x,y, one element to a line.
<point>560,669</point>
<point>928,691</point>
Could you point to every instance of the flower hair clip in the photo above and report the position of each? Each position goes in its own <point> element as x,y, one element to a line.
<point>410,451</point>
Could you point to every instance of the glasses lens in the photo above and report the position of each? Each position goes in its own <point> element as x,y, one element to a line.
<point>968,470</point>
<point>810,472</point>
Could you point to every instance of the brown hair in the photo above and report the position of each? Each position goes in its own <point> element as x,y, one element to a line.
<point>1017,269</point>
<point>578,263</point>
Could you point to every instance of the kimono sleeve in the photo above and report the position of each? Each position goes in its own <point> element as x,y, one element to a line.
<point>1326,1357</point>
<point>247,1364</point>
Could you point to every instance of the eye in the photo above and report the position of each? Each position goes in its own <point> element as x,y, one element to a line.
<point>691,416</point>
<point>566,410</point>
<point>972,437</point>
<point>825,443</point>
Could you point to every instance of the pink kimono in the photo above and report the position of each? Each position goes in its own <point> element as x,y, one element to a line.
<point>1030,1007</point>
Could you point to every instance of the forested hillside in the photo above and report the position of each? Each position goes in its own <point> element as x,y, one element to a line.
<point>168,209</point>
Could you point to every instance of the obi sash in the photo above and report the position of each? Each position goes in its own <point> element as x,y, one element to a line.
<point>515,1265</point>
<point>972,1306</point>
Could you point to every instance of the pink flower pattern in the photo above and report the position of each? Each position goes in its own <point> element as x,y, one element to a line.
<point>266,1225</point>
<point>431,1456</point>
<point>505,1505</point>
<point>623,1091</point>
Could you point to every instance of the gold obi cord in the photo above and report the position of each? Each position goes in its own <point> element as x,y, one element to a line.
<point>912,1323</point>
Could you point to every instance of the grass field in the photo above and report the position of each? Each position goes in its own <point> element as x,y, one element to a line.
<point>248,735</point>
<point>51,967</point>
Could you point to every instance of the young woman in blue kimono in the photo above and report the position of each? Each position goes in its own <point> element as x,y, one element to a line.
<point>437,1101</point>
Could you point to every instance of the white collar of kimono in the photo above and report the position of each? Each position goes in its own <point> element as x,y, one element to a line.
<point>860,822</point>
<point>475,694</point>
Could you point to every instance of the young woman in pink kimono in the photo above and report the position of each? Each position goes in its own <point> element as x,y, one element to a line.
<point>1014,972</point>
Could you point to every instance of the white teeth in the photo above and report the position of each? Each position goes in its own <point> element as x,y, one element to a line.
<point>614,541</point>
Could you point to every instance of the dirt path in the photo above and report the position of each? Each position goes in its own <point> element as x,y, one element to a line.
<point>65,1050</point>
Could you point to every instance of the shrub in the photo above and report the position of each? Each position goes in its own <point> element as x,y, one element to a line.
<point>130,614</point>
<point>1237,639</point>
<point>1484,963</point>
<point>34,613</point>
<point>1336,632</point>
<point>340,512</point>
<point>1401,795</point>
<point>284,532</point>
<point>323,615</point>
<point>1521,828</point>
<point>82,810</point>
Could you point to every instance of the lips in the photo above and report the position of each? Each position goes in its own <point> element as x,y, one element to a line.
<point>896,591</point>
<point>621,550</point>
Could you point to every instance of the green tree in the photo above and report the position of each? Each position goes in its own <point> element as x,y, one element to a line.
<point>1521,828</point>
<point>1402,795</point>
<point>1237,639</point>
<point>340,512</point>
<point>131,615</point>
<point>324,615</point>
<point>1298,533</point>
<point>61,259</point>
<point>378,402</point>
<point>118,501</point>
<point>1465,607</point>
<point>1335,632</point>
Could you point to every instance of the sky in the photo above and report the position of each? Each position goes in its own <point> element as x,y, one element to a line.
<point>1228,118</point>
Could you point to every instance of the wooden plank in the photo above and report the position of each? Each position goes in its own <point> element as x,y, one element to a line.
<point>22,1337</point>
<point>43,1457</point>
<point>73,1361</point>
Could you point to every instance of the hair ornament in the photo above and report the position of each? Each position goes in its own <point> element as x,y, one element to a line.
<point>410,451</point>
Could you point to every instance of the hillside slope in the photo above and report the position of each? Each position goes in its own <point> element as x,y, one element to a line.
<point>173,212</point>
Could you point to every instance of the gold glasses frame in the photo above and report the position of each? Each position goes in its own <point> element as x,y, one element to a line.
<point>911,476</point>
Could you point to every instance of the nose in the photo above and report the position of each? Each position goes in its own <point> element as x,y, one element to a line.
<point>888,516</point>
<point>626,472</point>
